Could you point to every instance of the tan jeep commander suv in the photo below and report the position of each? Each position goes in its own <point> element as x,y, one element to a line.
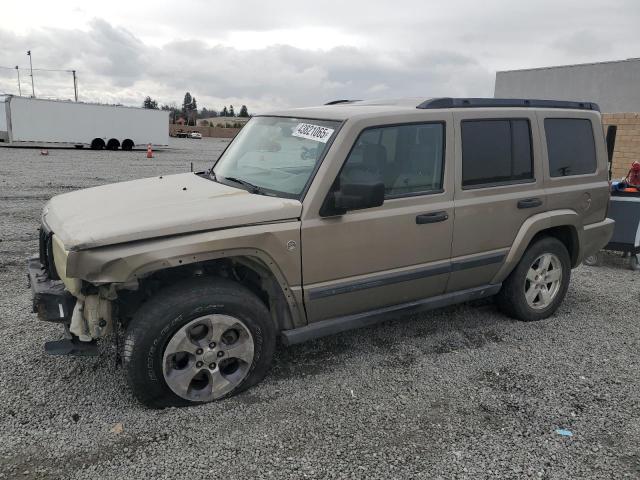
<point>319,220</point>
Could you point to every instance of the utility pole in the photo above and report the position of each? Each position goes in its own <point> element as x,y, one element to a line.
<point>75,84</point>
<point>33,90</point>
<point>19,87</point>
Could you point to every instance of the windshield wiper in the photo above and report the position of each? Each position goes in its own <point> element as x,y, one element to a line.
<point>252,188</point>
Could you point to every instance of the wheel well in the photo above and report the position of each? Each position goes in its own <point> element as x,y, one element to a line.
<point>127,144</point>
<point>97,144</point>
<point>248,271</point>
<point>567,235</point>
<point>113,144</point>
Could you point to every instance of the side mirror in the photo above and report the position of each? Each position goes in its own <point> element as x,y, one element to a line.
<point>353,196</point>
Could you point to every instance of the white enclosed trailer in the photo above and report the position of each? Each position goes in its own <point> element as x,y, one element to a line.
<point>52,123</point>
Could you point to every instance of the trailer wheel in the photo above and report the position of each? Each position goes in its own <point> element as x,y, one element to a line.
<point>113,144</point>
<point>97,144</point>
<point>127,144</point>
<point>594,260</point>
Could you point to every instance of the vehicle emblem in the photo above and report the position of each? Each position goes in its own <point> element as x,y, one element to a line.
<point>291,245</point>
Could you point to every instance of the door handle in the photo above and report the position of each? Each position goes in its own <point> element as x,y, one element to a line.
<point>432,217</point>
<point>529,203</point>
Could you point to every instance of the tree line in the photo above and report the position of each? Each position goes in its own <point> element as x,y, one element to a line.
<point>189,110</point>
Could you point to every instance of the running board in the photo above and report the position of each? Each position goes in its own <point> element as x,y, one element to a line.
<point>332,326</point>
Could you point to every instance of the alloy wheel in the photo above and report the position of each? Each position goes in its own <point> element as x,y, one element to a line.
<point>543,281</point>
<point>208,357</point>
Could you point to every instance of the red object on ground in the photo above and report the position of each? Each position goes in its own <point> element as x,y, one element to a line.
<point>149,151</point>
<point>633,177</point>
<point>44,152</point>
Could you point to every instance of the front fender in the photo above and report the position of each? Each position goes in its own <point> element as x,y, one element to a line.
<point>276,245</point>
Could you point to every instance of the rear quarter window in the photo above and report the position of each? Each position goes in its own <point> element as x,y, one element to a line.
<point>570,146</point>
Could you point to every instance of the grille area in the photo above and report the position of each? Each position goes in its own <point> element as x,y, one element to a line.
<point>46,253</point>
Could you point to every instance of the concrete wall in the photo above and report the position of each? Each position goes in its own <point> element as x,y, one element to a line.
<point>615,86</point>
<point>627,147</point>
<point>217,132</point>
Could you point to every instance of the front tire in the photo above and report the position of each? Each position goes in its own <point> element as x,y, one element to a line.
<point>536,287</point>
<point>199,341</point>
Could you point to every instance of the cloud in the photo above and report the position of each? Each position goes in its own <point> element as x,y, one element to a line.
<point>583,43</point>
<point>279,54</point>
<point>115,66</point>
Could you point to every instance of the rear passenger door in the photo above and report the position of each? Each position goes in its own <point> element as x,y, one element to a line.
<point>499,184</point>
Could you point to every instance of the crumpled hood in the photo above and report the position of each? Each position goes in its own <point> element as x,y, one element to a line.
<point>155,207</point>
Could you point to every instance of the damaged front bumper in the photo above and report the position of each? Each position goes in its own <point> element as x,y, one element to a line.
<point>53,303</point>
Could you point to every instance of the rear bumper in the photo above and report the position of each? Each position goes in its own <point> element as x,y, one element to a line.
<point>51,301</point>
<point>594,237</point>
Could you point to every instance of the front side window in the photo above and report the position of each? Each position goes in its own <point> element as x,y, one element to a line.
<point>496,152</point>
<point>408,159</point>
<point>275,155</point>
<point>570,146</point>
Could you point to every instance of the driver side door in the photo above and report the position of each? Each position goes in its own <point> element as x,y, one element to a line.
<point>392,254</point>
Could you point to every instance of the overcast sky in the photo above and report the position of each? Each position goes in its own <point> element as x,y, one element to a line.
<point>280,53</point>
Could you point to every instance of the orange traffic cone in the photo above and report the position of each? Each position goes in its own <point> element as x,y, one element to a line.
<point>149,151</point>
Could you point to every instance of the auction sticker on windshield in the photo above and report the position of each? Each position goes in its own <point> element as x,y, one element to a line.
<point>313,132</point>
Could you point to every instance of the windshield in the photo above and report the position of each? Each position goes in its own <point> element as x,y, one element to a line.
<point>275,155</point>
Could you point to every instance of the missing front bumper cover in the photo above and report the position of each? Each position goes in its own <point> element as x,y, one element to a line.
<point>51,301</point>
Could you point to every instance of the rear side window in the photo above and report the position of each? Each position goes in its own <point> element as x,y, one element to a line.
<point>496,152</point>
<point>570,146</point>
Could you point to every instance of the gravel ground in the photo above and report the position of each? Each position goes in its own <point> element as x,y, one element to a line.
<point>457,393</point>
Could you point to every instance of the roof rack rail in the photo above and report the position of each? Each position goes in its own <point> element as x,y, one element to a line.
<point>337,102</point>
<point>447,102</point>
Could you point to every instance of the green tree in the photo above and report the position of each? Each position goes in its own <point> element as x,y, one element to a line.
<point>224,112</point>
<point>244,112</point>
<point>186,103</point>
<point>150,103</point>
<point>231,112</point>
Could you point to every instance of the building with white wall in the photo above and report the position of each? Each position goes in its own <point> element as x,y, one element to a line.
<point>614,86</point>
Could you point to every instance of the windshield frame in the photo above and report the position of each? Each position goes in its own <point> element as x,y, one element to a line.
<point>314,170</point>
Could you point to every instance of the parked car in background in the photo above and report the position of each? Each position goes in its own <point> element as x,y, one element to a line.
<point>195,135</point>
<point>319,220</point>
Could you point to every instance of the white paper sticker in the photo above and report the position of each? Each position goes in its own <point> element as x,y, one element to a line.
<point>313,132</point>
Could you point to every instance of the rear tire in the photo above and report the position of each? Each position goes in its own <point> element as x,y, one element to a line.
<point>155,339</point>
<point>530,292</point>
